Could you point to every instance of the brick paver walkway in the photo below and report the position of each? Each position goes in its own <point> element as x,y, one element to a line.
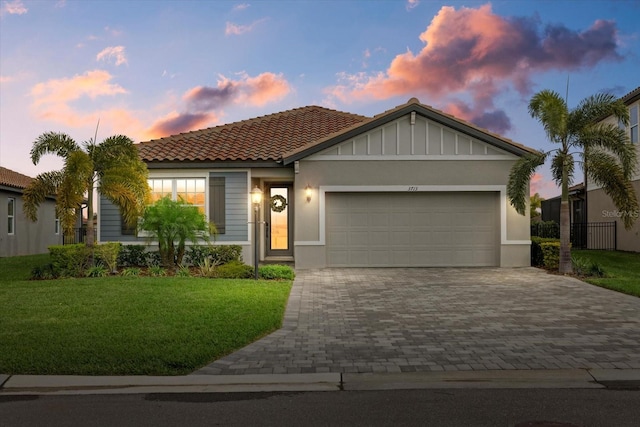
<point>404,320</point>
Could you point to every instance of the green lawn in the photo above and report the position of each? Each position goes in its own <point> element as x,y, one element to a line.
<point>622,269</point>
<point>128,325</point>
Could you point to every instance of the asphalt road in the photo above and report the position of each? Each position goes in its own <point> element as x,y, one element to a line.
<point>451,407</point>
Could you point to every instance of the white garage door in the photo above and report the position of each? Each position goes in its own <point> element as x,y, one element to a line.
<point>412,229</point>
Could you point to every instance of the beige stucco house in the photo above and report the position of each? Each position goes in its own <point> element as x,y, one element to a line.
<point>410,187</point>
<point>600,208</point>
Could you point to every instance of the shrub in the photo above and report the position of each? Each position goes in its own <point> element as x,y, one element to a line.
<point>131,271</point>
<point>235,270</point>
<point>586,267</point>
<point>70,260</point>
<point>207,268</point>
<point>97,271</point>
<point>152,259</point>
<point>132,256</point>
<point>43,272</point>
<point>221,254</point>
<point>157,271</point>
<point>551,254</point>
<point>183,271</point>
<point>537,259</point>
<point>107,254</point>
<point>275,271</point>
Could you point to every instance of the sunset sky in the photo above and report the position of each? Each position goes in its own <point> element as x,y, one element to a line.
<point>148,69</point>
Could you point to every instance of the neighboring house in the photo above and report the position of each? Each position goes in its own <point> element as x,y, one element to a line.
<point>411,187</point>
<point>600,208</point>
<point>18,234</point>
<point>577,214</point>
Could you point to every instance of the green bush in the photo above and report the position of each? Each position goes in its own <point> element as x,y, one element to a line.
<point>220,254</point>
<point>157,271</point>
<point>551,254</point>
<point>537,258</point>
<point>183,271</point>
<point>586,267</point>
<point>275,271</point>
<point>207,268</point>
<point>97,271</point>
<point>131,272</point>
<point>43,272</point>
<point>107,255</point>
<point>132,256</point>
<point>235,270</point>
<point>70,260</point>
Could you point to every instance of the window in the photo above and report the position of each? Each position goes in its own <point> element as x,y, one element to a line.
<point>11,215</point>
<point>57,226</point>
<point>633,124</point>
<point>191,190</point>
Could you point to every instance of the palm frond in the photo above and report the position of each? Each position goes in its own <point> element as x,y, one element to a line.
<point>43,185</point>
<point>604,169</point>
<point>56,143</point>
<point>613,140</point>
<point>551,111</point>
<point>594,108</point>
<point>519,177</point>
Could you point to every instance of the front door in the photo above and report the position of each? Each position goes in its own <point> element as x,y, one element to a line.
<point>279,220</point>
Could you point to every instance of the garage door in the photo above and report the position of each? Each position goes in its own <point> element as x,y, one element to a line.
<point>412,229</point>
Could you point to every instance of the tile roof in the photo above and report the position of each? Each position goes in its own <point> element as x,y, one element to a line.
<point>263,138</point>
<point>631,96</point>
<point>287,135</point>
<point>14,179</point>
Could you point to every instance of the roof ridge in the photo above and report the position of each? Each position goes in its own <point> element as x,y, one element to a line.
<point>14,179</point>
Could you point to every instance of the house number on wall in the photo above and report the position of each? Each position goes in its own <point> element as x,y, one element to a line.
<point>412,189</point>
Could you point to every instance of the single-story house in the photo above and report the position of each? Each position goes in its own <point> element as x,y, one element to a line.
<point>410,187</point>
<point>600,207</point>
<point>18,234</point>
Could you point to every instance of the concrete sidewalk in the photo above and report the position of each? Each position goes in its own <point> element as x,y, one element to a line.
<point>510,379</point>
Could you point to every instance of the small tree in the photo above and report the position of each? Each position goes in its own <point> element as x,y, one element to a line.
<point>172,223</point>
<point>534,205</point>
<point>608,157</point>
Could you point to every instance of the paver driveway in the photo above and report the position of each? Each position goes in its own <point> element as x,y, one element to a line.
<point>404,320</point>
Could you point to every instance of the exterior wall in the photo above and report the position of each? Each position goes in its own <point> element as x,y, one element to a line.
<point>29,237</point>
<point>236,209</point>
<point>402,175</point>
<point>601,209</point>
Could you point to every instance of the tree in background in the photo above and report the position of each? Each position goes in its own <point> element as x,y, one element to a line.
<point>112,167</point>
<point>171,223</point>
<point>608,158</point>
<point>535,204</point>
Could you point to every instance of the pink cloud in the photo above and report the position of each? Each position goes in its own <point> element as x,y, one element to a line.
<point>15,7</point>
<point>202,102</point>
<point>412,4</point>
<point>476,52</point>
<point>92,84</point>
<point>236,30</point>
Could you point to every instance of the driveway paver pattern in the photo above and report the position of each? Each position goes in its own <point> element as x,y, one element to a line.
<point>443,319</point>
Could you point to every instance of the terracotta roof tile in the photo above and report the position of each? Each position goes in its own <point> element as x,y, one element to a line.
<point>14,179</point>
<point>263,138</point>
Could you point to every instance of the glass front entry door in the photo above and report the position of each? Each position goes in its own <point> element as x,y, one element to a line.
<point>279,220</point>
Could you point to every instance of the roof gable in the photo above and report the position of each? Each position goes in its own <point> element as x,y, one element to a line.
<point>471,132</point>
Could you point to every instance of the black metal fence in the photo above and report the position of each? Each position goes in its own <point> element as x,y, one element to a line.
<point>584,235</point>
<point>79,235</point>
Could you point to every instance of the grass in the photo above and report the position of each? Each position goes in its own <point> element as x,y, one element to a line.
<point>622,269</point>
<point>128,325</point>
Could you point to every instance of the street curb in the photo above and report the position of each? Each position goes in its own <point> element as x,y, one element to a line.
<point>72,384</point>
<point>505,379</point>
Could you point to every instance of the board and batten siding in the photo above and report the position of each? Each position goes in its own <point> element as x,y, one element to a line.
<point>235,228</point>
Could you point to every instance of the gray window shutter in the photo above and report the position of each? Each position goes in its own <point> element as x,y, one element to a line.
<point>217,203</point>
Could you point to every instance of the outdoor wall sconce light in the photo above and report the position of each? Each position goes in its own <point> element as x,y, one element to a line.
<point>307,192</point>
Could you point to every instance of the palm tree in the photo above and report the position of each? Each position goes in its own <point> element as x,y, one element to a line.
<point>112,167</point>
<point>607,156</point>
<point>535,204</point>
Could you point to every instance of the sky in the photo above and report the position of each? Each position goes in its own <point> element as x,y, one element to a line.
<point>151,68</point>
